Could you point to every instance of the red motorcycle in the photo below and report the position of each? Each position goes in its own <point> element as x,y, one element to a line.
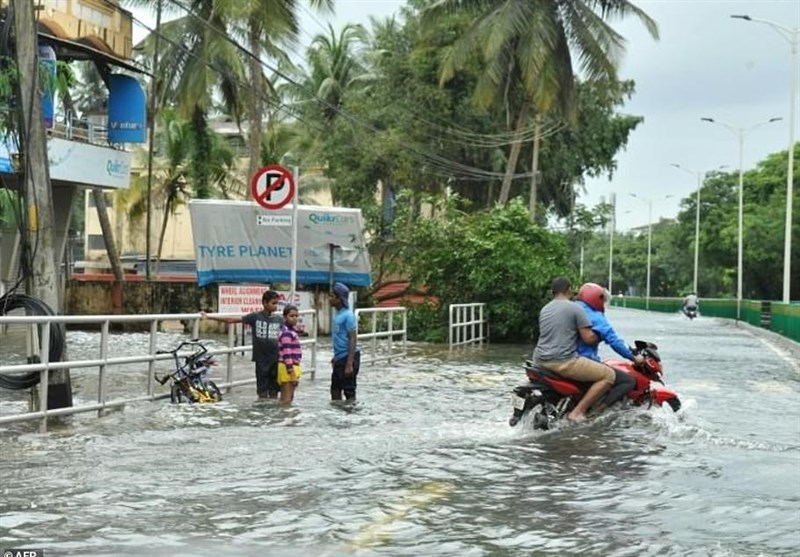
<point>548,397</point>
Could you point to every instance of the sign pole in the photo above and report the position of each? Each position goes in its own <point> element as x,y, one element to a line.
<point>294,234</point>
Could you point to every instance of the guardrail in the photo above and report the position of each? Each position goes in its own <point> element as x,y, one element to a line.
<point>467,324</point>
<point>778,317</point>
<point>106,360</point>
<point>382,326</point>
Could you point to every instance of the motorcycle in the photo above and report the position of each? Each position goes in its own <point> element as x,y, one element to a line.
<point>548,397</point>
<point>690,312</point>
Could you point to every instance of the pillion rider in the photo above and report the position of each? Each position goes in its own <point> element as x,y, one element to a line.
<point>592,298</point>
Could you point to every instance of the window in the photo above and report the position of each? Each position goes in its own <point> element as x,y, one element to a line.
<point>96,242</point>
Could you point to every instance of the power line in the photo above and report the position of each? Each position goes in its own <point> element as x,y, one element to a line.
<point>464,171</point>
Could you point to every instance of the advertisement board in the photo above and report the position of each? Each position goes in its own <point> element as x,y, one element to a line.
<point>83,163</point>
<point>238,241</point>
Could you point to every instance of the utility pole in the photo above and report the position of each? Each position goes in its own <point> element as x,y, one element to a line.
<point>40,251</point>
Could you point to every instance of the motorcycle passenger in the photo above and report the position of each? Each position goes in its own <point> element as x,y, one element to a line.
<point>592,298</point>
<point>561,324</point>
<point>690,304</point>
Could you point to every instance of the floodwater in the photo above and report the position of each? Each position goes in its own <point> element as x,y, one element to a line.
<point>425,463</point>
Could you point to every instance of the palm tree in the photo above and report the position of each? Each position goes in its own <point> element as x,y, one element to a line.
<point>527,48</point>
<point>200,62</point>
<point>172,173</point>
<point>335,66</point>
<point>269,27</point>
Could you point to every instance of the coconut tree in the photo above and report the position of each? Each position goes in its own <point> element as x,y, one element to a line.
<point>172,173</point>
<point>528,51</point>
<point>198,63</point>
<point>268,27</point>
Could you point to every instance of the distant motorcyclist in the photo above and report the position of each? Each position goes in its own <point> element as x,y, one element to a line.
<point>690,305</point>
<point>593,299</point>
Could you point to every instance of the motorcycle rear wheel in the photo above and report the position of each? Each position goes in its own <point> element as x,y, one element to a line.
<point>544,414</point>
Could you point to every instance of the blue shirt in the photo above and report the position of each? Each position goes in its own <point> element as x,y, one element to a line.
<point>605,331</point>
<point>344,322</point>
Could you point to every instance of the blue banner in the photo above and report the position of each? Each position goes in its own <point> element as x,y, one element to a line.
<point>127,110</point>
<point>47,63</point>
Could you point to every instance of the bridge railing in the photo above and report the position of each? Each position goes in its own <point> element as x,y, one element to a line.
<point>42,326</point>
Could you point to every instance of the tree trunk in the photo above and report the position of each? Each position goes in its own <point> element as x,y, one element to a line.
<point>537,130</point>
<point>167,211</point>
<point>256,110</point>
<point>513,156</point>
<point>201,154</point>
<point>108,233</point>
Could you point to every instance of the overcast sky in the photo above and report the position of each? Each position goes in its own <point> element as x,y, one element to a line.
<point>705,64</point>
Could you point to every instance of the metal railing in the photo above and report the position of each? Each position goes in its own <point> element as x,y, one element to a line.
<point>467,324</point>
<point>106,360</point>
<point>382,327</point>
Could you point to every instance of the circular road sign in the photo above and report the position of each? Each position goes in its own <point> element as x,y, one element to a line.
<point>272,186</point>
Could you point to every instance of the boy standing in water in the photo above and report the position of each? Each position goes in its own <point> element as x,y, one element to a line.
<point>346,354</point>
<point>266,330</point>
<point>289,354</point>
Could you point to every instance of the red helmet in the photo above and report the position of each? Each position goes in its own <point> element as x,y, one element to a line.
<point>594,295</point>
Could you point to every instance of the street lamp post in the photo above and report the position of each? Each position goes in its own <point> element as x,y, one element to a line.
<point>649,242</point>
<point>700,178</point>
<point>792,35</point>
<point>740,133</point>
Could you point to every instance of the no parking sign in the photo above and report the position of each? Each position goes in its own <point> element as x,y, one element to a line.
<point>272,186</point>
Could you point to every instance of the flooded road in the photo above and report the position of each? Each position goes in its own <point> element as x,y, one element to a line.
<point>425,464</point>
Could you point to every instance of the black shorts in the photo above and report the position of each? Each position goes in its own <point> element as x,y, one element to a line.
<point>267,379</point>
<point>342,382</point>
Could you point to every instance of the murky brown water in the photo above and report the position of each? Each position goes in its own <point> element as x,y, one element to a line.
<point>425,464</point>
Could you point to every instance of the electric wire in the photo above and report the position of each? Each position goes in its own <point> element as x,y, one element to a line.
<point>463,171</point>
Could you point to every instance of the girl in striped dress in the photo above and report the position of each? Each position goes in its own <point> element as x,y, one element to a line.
<point>289,355</point>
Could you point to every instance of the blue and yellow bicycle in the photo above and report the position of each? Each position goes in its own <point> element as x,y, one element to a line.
<point>190,382</point>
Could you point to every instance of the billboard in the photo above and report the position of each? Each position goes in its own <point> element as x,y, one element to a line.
<point>238,241</point>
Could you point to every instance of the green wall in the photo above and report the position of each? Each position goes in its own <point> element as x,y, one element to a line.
<point>785,318</point>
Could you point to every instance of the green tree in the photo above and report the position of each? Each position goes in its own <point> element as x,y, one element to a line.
<point>198,62</point>
<point>497,256</point>
<point>171,184</point>
<point>528,50</point>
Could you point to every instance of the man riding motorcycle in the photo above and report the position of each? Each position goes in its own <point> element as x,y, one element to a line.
<point>561,324</point>
<point>690,304</point>
<point>593,298</point>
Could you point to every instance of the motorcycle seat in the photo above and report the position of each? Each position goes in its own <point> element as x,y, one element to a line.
<point>530,365</point>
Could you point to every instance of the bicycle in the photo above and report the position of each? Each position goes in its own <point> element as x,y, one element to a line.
<point>190,380</point>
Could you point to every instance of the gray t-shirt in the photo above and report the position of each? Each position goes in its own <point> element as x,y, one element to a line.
<point>690,301</point>
<point>559,322</point>
<point>266,330</point>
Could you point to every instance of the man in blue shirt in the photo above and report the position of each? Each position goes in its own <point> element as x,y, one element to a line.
<point>592,298</point>
<point>346,353</point>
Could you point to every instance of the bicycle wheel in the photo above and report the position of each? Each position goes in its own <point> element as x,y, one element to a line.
<point>176,394</point>
<point>213,391</point>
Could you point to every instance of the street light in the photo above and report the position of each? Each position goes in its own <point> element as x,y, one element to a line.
<point>649,240</point>
<point>792,35</point>
<point>700,178</point>
<point>740,133</point>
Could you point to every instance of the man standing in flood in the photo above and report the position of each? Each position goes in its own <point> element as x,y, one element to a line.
<point>346,353</point>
